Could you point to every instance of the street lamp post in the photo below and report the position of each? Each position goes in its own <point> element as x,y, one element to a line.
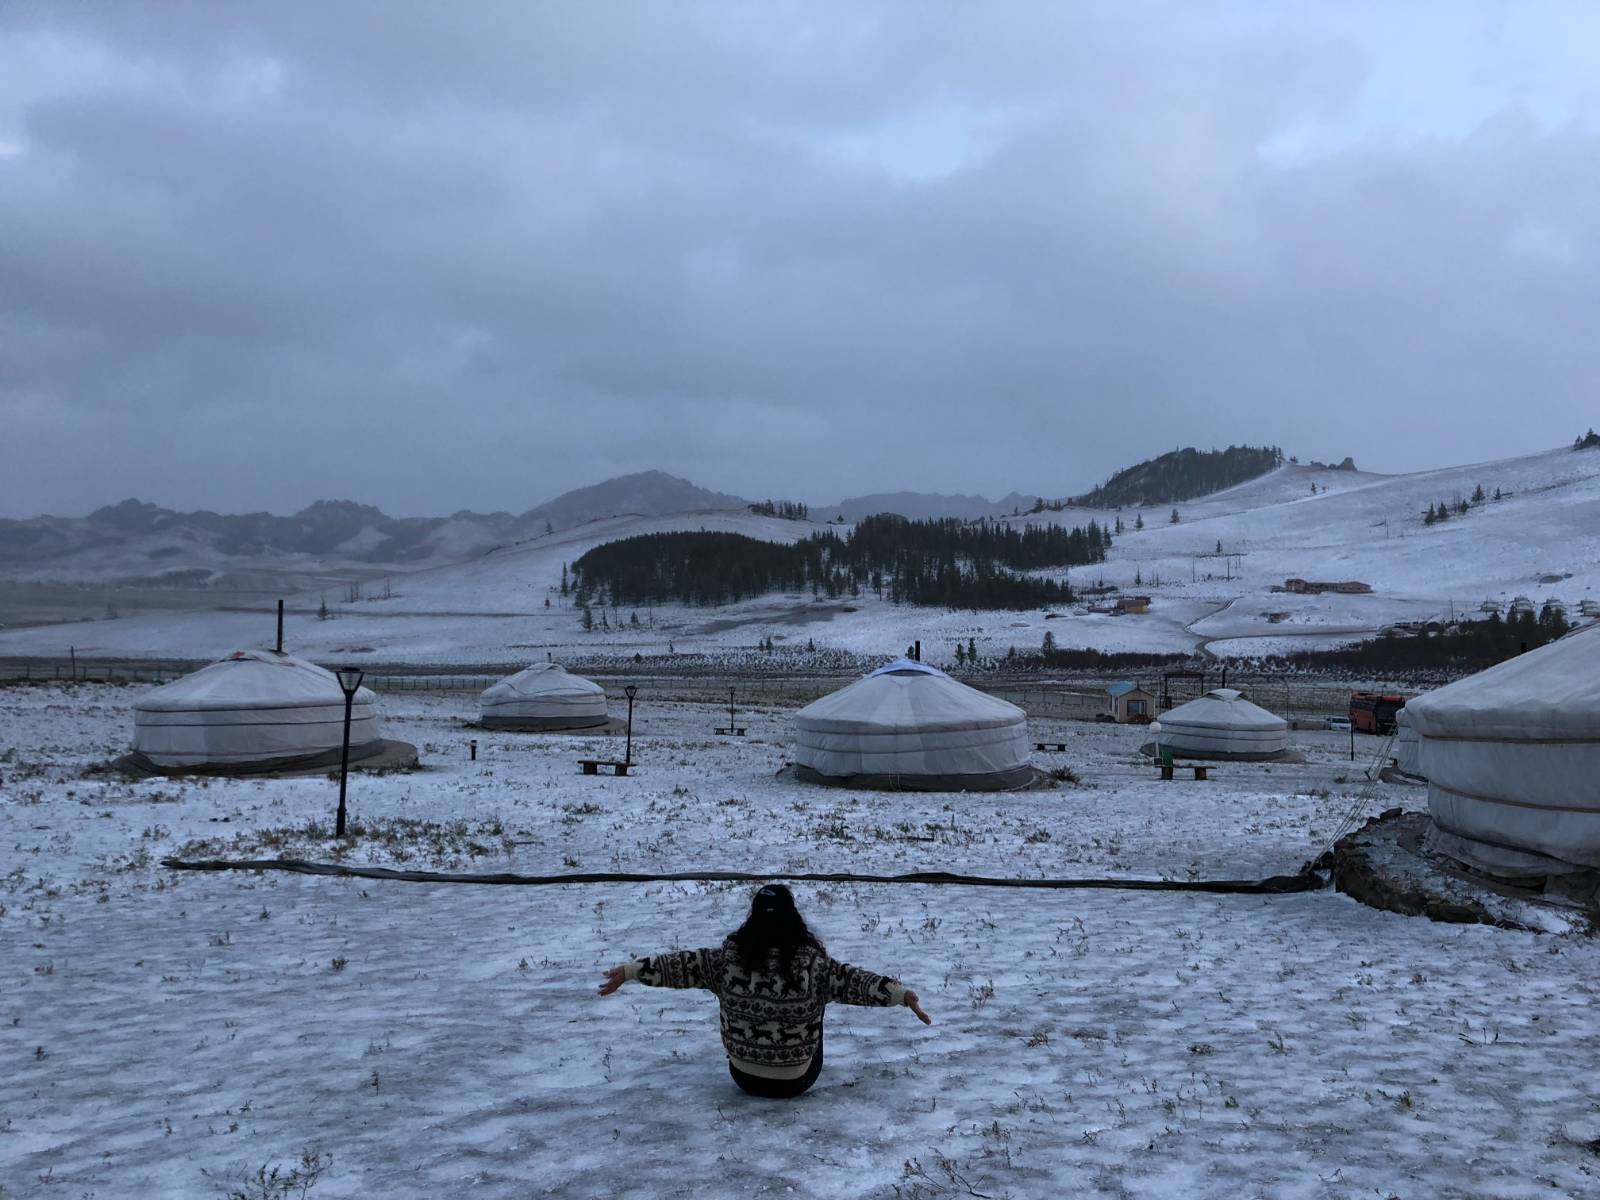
<point>630,692</point>
<point>349,683</point>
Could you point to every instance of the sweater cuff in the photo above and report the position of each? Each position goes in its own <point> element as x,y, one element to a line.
<point>897,994</point>
<point>630,970</point>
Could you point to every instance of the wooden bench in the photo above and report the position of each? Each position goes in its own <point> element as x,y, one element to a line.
<point>1199,772</point>
<point>1056,747</point>
<point>731,731</point>
<point>591,766</point>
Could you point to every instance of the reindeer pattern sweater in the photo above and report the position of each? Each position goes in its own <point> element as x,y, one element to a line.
<point>771,1022</point>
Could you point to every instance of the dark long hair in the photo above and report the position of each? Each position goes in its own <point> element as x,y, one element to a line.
<point>774,925</point>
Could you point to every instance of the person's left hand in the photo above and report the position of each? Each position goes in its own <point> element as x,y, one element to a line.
<point>615,978</point>
<point>915,1006</point>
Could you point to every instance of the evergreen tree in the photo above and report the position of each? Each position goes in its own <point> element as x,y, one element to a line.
<point>1461,506</point>
<point>1138,520</point>
<point>1431,516</point>
<point>588,618</point>
<point>961,655</point>
<point>563,579</point>
<point>1219,545</point>
<point>1174,518</point>
<point>1552,621</point>
<point>972,650</point>
<point>1497,493</point>
<point>1138,578</point>
<point>1048,648</point>
<point>1477,494</point>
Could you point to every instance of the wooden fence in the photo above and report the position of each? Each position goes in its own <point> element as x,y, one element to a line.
<point>1072,699</point>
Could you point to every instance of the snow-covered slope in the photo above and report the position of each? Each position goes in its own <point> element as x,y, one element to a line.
<point>1369,528</point>
<point>506,606</point>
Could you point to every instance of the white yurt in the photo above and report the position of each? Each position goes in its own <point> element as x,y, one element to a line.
<point>1222,724</point>
<point>911,726</point>
<point>544,696</point>
<point>254,710</point>
<point>1407,746</point>
<point>1512,756</point>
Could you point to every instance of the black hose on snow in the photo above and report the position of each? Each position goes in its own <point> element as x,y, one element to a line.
<point>1274,885</point>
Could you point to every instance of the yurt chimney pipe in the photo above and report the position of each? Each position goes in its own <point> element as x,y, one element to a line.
<point>918,655</point>
<point>280,625</point>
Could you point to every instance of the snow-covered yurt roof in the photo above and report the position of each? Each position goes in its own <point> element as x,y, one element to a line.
<point>544,696</point>
<point>254,708</point>
<point>910,725</point>
<point>1223,724</point>
<point>1512,754</point>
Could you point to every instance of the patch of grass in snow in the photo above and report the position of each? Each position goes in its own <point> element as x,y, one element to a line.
<point>398,839</point>
<point>272,1182</point>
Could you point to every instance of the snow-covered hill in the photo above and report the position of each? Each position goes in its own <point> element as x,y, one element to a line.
<point>1541,539</point>
<point>921,506</point>
<point>647,493</point>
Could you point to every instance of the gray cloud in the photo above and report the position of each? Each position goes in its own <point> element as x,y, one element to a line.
<point>437,259</point>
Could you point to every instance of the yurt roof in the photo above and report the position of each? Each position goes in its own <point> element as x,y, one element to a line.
<point>249,679</point>
<point>1223,708</point>
<point>1551,692</point>
<point>545,679</point>
<point>907,695</point>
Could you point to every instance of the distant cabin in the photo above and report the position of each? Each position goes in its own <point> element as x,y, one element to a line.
<point>1129,701</point>
<point>1315,587</point>
<point>1133,604</point>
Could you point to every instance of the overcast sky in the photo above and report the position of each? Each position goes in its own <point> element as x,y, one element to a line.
<point>437,256</point>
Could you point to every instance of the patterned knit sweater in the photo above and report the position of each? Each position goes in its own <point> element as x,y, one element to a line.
<point>771,1023</point>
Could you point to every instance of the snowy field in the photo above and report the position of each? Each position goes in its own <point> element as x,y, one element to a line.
<point>171,1034</point>
<point>1541,539</point>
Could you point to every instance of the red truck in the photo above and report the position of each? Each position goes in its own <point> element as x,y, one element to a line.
<point>1374,712</point>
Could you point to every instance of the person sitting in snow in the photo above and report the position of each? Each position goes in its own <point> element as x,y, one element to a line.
<point>772,979</point>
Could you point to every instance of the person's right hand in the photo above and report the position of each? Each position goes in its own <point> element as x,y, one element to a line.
<point>615,978</point>
<point>911,1002</point>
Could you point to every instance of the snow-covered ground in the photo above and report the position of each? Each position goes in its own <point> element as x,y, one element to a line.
<point>172,1034</point>
<point>1355,526</point>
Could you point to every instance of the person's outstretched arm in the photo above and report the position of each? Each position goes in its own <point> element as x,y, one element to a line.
<point>679,969</point>
<point>845,984</point>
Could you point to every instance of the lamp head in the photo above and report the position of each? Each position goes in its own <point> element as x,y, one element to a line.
<point>630,691</point>
<point>350,679</point>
